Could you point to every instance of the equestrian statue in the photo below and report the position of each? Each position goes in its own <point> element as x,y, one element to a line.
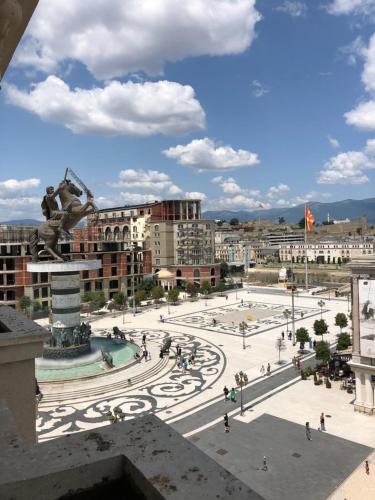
<point>59,221</point>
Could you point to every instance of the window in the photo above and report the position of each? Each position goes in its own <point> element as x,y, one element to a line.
<point>87,286</point>
<point>44,277</point>
<point>114,271</point>
<point>98,285</point>
<point>113,284</point>
<point>114,258</point>
<point>44,292</point>
<point>36,293</point>
<point>85,275</point>
<point>81,247</point>
<point>157,262</point>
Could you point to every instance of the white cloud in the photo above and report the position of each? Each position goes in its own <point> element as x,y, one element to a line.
<point>205,155</point>
<point>355,50</point>
<point>338,7</point>
<point>346,168</point>
<point>293,8</point>
<point>284,203</point>
<point>277,190</point>
<point>11,185</point>
<point>118,108</point>
<point>363,116</point>
<point>370,147</point>
<point>258,89</point>
<point>130,35</point>
<point>238,201</point>
<point>150,180</point>
<point>137,198</point>
<point>231,186</point>
<point>20,207</point>
<point>195,195</point>
<point>334,142</point>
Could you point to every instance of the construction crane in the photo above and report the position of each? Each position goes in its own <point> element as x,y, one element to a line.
<point>79,182</point>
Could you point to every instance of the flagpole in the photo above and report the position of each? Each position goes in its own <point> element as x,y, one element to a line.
<point>306,272</point>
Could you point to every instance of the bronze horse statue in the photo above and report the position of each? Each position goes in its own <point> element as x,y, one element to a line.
<point>49,231</point>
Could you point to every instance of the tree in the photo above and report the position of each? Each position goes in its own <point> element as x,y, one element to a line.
<point>37,306</point>
<point>302,336</point>
<point>97,300</point>
<point>281,220</point>
<point>301,223</point>
<point>322,351</point>
<point>343,341</point>
<point>139,296</point>
<point>191,289</point>
<point>220,223</point>
<point>25,304</point>
<point>280,346</point>
<point>157,293</point>
<point>173,295</point>
<point>147,284</point>
<point>234,221</point>
<point>320,327</point>
<point>119,299</point>
<point>224,270</point>
<point>341,321</point>
<point>205,287</point>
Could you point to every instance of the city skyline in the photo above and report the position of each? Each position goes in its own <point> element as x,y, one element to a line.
<point>247,95</point>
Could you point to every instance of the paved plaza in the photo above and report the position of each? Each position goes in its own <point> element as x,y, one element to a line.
<point>276,406</point>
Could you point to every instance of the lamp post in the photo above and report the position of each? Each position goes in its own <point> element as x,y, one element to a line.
<point>241,380</point>
<point>321,304</point>
<point>287,315</point>
<point>205,298</point>
<point>243,326</point>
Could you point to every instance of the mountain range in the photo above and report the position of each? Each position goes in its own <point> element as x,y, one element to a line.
<point>338,210</point>
<point>351,209</point>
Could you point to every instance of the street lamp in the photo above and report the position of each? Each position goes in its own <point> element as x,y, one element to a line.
<point>287,315</point>
<point>241,380</point>
<point>243,326</point>
<point>321,304</point>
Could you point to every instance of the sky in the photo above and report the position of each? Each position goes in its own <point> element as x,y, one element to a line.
<point>245,104</point>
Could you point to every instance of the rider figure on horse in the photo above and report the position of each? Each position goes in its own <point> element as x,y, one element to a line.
<point>51,210</point>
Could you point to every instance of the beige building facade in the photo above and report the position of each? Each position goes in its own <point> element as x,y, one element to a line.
<point>333,252</point>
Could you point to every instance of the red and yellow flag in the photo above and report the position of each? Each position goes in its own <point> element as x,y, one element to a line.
<point>309,219</point>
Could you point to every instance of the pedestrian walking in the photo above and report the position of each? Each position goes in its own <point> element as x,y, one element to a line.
<point>367,468</point>
<point>233,395</point>
<point>322,422</point>
<point>283,335</point>
<point>262,370</point>
<point>226,392</point>
<point>298,363</point>
<point>144,338</point>
<point>265,466</point>
<point>314,343</point>
<point>268,369</point>
<point>310,343</point>
<point>241,302</point>
<point>308,431</point>
<point>294,361</point>
<point>289,335</point>
<point>226,423</point>
<point>226,297</point>
<point>179,351</point>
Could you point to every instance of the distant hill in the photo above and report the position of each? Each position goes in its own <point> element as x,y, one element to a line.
<point>351,209</point>
<point>22,222</point>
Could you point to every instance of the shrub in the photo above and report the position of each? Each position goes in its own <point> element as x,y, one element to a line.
<point>328,383</point>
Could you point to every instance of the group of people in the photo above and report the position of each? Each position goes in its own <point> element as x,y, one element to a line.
<point>230,394</point>
<point>146,355</point>
<point>322,426</point>
<point>183,362</point>
<point>263,370</point>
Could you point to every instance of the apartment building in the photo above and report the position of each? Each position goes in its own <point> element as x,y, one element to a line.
<point>132,242</point>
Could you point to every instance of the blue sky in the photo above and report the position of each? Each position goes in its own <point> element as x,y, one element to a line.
<point>243,103</point>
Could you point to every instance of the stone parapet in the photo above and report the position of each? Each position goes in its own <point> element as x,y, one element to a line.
<point>146,456</point>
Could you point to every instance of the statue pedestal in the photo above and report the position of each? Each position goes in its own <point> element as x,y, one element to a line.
<point>66,302</point>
